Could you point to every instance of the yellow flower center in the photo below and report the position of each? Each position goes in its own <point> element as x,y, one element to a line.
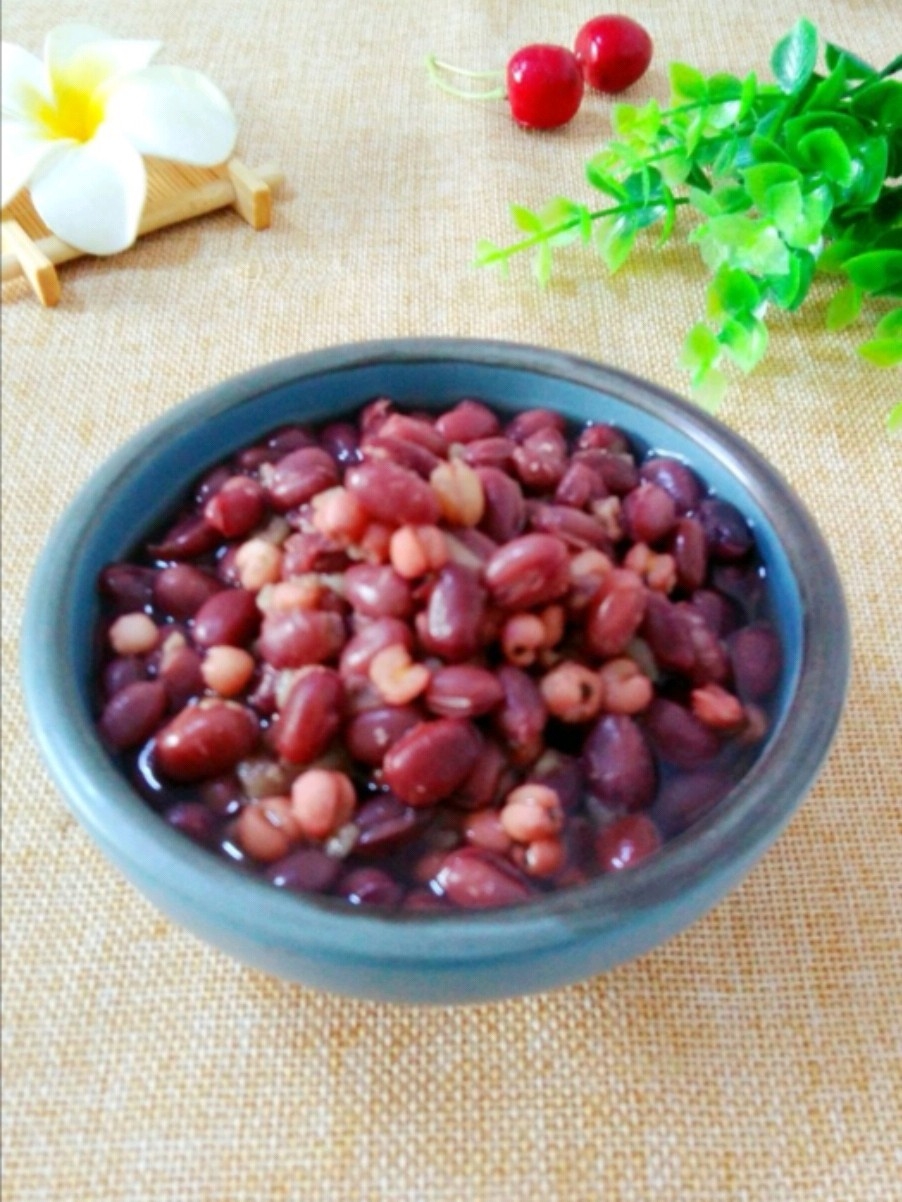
<point>77,108</point>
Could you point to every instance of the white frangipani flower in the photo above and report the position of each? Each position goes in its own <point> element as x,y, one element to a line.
<point>74,129</point>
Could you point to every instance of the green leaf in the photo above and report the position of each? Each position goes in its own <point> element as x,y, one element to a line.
<point>601,179</point>
<point>635,124</point>
<point>831,89</point>
<point>614,239</point>
<point>804,229</point>
<point>753,245</point>
<point>541,263</point>
<point>783,205</point>
<point>890,324</point>
<point>732,292</point>
<point>855,67</point>
<point>745,340</point>
<point>488,254</point>
<point>880,102</point>
<point>747,95</point>
<point>794,57</point>
<point>894,419</point>
<point>700,348</point>
<point>765,150</point>
<point>844,307</point>
<point>869,168</point>
<point>790,289</point>
<point>708,388</point>
<point>824,150</point>
<point>882,352</point>
<point>526,220</point>
<point>561,212</point>
<point>833,257</point>
<point>686,84</point>
<point>875,270</point>
<point>758,180</point>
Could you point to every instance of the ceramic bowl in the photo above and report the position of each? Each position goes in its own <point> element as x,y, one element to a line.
<point>424,957</point>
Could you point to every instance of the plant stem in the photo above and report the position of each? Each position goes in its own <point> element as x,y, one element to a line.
<point>561,228</point>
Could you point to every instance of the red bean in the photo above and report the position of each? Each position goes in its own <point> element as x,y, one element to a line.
<point>311,552</point>
<point>122,671</point>
<point>294,638</point>
<point>531,421</point>
<point>726,530</point>
<point>393,494</point>
<point>194,819</point>
<point>757,661</point>
<point>127,586</point>
<point>484,785</point>
<point>649,513</point>
<point>237,507</point>
<point>342,442</point>
<point>311,716</point>
<point>521,719</point>
<point>182,589</point>
<point>180,673</point>
<point>619,472</point>
<point>210,484</point>
<point>385,823</point>
<point>463,691</point>
<point>575,528</point>
<point>187,539</point>
<point>475,879</point>
<point>290,438</point>
<point>377,591</point>
<point>490,452</point>
<point>415,430</point>
<point>379,448</point>
<point>308,870</point>
<point>468,421</point>
<point>690,553</point>
<point>678,736</point>
<point>452,623</point>
<point>676,479</point>
<point>682,642</point>
<point>603,437</point>
<point>299,476</point>
<point>504,515</point>
<point>619,766</point>
<point>370,887</point>
<point>579,485</point>
<point>626,843</point>
<point>205,740</point>
<point>564,774</point>
<point>617,613</point>
<point>370,734</point>
<point>133,713</point>
<point>430,761</point>
<point>541,459</point>
<point>528,571</point>
<point>682,800</point>
<point>721,616</point>
<point>229,617</point>
<point>359,651</point>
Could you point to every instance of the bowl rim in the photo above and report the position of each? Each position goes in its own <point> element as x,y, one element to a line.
<point>723,844</point>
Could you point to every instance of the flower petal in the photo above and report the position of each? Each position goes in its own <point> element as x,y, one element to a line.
<point>92,196</point>
<point>24,148</point>
<point>81,58</point>
<point>22,79</point>
<point>173,113</point>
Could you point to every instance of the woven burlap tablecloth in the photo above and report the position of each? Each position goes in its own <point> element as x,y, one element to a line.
<point>756,1057</point>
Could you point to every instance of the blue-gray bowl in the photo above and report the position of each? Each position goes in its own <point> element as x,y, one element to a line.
<point>410,957</point>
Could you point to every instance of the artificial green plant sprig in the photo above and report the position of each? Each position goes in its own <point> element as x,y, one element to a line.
<point>786,180</point>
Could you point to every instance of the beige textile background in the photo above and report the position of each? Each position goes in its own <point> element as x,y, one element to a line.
<point>756,1057</point>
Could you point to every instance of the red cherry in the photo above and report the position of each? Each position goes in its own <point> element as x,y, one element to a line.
<point>544,86</point>
<point>613,52</point>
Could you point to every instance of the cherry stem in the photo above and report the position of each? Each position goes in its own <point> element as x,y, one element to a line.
<point>435,67</point>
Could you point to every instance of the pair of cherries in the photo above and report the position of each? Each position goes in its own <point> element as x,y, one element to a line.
<point>544,83</point>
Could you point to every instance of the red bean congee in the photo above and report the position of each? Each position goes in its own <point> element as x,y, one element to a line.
<point>438,661</point>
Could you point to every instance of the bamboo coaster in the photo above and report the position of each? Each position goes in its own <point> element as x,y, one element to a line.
<point>175,193</point>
